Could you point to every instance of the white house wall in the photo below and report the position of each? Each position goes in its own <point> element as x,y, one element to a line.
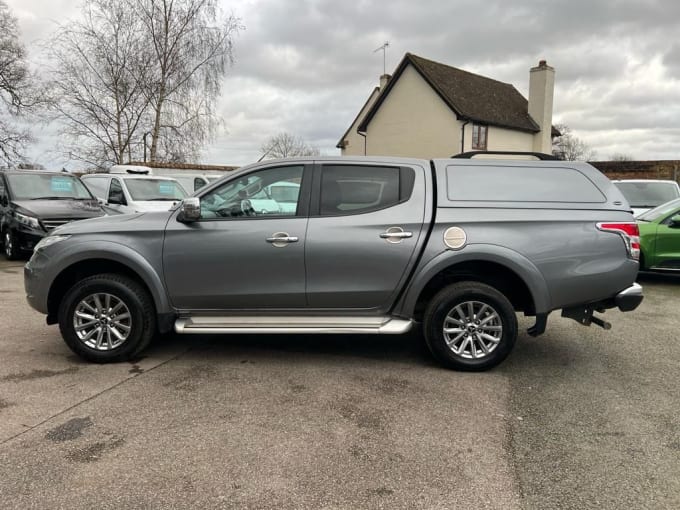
<point>354,142</point>
<point>500,139</point>
<point>413,121</point>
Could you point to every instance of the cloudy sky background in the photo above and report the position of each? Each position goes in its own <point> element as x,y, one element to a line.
<point>307,66</point>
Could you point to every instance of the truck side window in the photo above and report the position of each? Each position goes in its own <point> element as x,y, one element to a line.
<point>352,189</point>
<point>269,192</point>
<point>199,182</point>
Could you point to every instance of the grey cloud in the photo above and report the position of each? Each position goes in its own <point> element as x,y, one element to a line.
<point>307,66</point>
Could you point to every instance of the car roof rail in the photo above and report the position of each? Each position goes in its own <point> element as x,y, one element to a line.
<point>538,155</point>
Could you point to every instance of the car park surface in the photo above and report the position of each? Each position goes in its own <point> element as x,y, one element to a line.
<point>577,418</point>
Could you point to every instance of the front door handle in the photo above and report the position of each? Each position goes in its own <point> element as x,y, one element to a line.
<point>395,234</point>
<point>281,239</point>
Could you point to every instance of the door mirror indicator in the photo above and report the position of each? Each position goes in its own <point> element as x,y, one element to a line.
<point>190,210</point>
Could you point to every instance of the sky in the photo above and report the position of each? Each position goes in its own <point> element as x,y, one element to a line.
<point>306,66</point>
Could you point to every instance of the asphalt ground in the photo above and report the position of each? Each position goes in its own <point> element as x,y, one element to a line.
<point>577,418</point>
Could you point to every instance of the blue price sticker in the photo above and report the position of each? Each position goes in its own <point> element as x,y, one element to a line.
<point>61,184</point>
<point>166,188</point>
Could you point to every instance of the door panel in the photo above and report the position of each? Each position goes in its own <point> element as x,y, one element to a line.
<point>229,264</point>
<point>668,246</point>
<point>241,254</point>
<point>349,264</point>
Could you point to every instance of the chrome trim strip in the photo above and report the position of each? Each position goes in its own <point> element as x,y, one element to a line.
<point>292,325</point>
<point>633,290</point>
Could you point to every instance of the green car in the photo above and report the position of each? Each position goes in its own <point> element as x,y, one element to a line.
<point>660,237</point>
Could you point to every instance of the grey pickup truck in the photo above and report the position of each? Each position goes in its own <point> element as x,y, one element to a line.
<point>349,245</point>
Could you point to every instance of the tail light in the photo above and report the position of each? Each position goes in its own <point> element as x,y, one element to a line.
<point>629,232</point>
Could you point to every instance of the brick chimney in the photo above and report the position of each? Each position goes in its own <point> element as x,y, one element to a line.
<point>384,80</point>
<point>541,89</point>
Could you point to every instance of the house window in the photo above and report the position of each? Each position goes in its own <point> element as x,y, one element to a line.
<point>479,133</point>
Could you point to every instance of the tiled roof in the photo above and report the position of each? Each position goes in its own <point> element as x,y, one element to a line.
<point>470,96</point>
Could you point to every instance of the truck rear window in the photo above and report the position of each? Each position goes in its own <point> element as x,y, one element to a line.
<point>520,184</point>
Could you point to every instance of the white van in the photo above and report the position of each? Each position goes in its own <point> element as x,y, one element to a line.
<point>125,193</point>
<point>645,194</point>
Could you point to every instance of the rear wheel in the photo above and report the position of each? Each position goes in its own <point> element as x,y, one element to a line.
<point>107,318</point>
<point>470,326</point>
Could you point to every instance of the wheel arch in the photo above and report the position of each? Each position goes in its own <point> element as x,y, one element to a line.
<point>107,262</point>
<point>508,271</point>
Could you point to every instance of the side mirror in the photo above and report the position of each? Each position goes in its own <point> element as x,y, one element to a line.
<point>117,199</point>
<point>190,210</point>
<point>675,221</point>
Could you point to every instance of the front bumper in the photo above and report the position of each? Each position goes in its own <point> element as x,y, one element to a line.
<point>35,283</point>
<point>28,237</point>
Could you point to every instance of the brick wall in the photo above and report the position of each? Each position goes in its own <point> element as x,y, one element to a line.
<point>664,169</point>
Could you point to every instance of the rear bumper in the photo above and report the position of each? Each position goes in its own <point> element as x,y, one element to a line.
<point>626,300</point>
<point>629,299</point>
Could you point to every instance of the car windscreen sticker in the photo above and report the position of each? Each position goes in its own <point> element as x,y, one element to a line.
<point>61,184</point>
<point>166,188</point>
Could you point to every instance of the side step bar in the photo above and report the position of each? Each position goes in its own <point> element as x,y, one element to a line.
<point>270,324</point>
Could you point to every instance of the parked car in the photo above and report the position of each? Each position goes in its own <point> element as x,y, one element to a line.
<point>191,180</point>
<point>32,203</point>
<point>646,194</point>
<point>374,245</point>
<point>133,193</point>
<point>660,238</point>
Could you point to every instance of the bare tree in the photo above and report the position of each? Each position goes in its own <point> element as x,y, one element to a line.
<point>17,93</point>
<point>285,145</point>
<point>98,83</point>
<point>191,44</point>
<point>139,69</point>
<point>569,147</point>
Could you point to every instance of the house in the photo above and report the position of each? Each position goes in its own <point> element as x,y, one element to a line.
<point>428,109</point>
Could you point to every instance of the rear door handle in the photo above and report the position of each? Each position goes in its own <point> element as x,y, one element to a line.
<point>281,239</point>
<point>400,235</point>
<point>395,234</point>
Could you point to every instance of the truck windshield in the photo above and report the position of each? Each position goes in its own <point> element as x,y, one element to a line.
<point>648,194</point>
<point>47,187</point>
<point>155,189</point>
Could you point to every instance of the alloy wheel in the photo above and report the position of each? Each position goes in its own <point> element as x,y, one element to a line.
<point>473,329</point>
<point>102,321</point>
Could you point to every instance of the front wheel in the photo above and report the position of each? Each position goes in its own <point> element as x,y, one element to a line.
<point>470,326</point>
<point>10,245</point>
<point>107,318</point>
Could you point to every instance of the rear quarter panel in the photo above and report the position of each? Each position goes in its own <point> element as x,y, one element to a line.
<point>557,240</point>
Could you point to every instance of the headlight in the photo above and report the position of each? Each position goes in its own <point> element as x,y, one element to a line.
<point>49,240</point>
<point>29,221</point>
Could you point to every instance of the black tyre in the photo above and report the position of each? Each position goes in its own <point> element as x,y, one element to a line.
<point>470,326</point>
<point>10,245</point>
<point>107,318</point>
